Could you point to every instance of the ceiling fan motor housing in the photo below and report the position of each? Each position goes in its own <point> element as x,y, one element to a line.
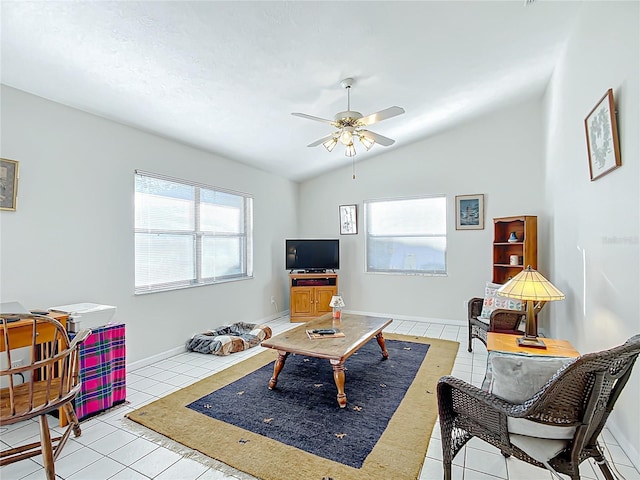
<point>347,118</point>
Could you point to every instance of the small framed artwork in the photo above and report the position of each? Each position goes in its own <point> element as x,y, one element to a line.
<point>470,212</point>
<point>348,219</point>
<point>602,137</point>
<point>8,184</point>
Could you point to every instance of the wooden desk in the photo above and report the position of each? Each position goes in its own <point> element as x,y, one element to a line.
<point>504,342</point>
<point>21,336</point>
<point>20,331</point>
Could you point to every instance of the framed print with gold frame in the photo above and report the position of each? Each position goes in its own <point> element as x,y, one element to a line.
<point>8,184</point>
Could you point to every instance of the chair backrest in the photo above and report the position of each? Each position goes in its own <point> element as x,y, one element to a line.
<point>48,379</point>
<point>584,392</point>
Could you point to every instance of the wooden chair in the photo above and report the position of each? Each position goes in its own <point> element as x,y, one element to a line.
<point>571,408</point>
<point>501,321</point>
<point>48,381</point>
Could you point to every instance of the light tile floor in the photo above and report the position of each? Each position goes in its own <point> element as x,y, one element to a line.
<point>109,449</point>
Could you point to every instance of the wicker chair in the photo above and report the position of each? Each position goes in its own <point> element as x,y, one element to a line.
<point>580,396</point>
<point>501,320</point>
<point>50,381</point>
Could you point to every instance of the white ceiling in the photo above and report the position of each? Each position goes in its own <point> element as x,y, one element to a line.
<point>225,76</point>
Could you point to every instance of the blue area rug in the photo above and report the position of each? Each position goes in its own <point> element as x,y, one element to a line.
<point>302,410</point>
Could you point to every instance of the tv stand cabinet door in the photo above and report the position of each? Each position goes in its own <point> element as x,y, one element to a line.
<point>302,303</point>
<point>323,299</point>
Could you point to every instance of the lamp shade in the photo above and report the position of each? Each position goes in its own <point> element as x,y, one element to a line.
<point>350,151</point>
<point>530,285</point>
<point>336,301</point>
<point>330,144</point>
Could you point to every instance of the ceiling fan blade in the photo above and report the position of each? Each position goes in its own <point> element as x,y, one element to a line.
<point>317,119</point>
<point>382,140</point>
<point>381,115</point>
<point>320,141</point>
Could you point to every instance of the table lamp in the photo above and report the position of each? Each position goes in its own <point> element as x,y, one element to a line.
<point>337,304</point>
<point>531,286</point>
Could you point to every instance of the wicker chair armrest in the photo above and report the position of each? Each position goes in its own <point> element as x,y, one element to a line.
<point>503,319</point>
<point>478,398</point>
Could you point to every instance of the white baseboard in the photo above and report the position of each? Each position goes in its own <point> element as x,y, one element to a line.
<point>443,321</point>
<point>145,362</point>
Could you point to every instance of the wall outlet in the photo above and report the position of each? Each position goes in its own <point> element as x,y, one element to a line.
<point>17,363</point>
<point>273,300</point>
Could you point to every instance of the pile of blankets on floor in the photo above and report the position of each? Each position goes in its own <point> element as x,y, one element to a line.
<point>229,338</point>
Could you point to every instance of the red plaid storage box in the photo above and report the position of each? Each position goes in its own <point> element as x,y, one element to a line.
<point>102,370</point>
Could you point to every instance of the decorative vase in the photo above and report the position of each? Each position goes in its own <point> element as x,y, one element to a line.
<point>512,238</point>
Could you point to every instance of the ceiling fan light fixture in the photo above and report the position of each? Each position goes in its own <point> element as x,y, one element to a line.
<point>367,142</point>
<point>330,144</point>
<point>350,151</point>
<point>346,136</point>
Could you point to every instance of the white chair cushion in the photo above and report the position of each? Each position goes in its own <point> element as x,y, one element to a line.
<point>538,448</point>
<point>522,426</point>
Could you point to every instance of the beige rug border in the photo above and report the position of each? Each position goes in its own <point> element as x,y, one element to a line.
<point>398,454</point>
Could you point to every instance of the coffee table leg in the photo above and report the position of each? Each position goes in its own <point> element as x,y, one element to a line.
<point>383,347</point>
<point>338,376</point>
<point>277,366</point>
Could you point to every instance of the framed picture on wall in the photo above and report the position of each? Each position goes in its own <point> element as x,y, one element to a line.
<point>470,212</point>
<point>348,219</point>
<point>8,184</point>
<point>602,137</point>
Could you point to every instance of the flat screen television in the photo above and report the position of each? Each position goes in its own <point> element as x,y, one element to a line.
<point>312,255</point>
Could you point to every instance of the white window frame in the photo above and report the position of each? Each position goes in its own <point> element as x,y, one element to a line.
<point>401,270</point>
<point>198,235</point>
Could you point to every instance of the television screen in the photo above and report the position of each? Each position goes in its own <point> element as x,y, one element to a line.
<point>312,255</point>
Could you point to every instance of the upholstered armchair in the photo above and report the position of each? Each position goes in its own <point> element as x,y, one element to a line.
<point>500,320</point>
<point>556,428</point>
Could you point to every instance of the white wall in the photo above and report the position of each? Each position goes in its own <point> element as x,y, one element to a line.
<point>71,238</point>
<point>499,155</point>
<point>594,236</point>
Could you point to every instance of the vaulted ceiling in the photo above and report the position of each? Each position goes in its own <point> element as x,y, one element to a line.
<point>226,76</point>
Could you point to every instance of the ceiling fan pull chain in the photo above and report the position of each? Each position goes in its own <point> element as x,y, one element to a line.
<point>353,166</point>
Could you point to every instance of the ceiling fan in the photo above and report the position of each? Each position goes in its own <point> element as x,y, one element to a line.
<point>352,125</point>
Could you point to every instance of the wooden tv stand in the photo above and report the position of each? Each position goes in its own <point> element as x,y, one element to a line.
<point>310,294</point>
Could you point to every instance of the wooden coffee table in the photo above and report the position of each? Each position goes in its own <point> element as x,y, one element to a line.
<point>357,329</point>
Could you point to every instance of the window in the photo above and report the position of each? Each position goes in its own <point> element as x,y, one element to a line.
<point>406,236</point>
<point>187,234</point>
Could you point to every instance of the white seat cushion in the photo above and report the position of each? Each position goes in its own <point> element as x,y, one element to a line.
<point>522,426</point>
<point>540,449</point>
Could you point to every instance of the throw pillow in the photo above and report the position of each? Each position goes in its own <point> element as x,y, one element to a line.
<point>517,378</point>
<point>493,301</point>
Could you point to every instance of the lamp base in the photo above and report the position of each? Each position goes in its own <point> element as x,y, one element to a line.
<point>531,342</point>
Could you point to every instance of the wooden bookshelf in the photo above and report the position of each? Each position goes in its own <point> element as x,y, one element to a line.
<point>525,248</point>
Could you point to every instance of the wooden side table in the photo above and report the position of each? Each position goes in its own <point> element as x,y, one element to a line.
<point>504,342</point>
